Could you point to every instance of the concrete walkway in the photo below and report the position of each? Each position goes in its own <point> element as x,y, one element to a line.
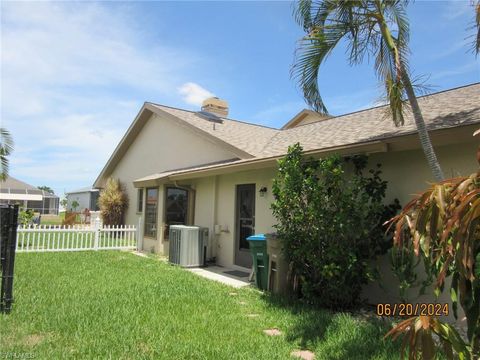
<point>217,273</point>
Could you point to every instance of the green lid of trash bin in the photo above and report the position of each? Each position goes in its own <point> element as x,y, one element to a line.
<point>257,237</point>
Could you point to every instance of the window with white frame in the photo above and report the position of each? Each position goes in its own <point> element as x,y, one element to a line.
<point>151,212</point>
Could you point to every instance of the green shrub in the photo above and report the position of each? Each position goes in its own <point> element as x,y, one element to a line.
<point>25,216</point>
<point>113,202</point>
<point>75,205</point>
<point>330,224</point>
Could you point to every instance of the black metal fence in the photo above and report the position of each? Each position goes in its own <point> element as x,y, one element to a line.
<point>8,240</point>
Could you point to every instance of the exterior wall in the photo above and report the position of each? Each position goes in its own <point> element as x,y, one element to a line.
<point>82,198</point>
<point>160,146</point>
<point>164,145</point>
<point>205,207</point>
<point>221,191</point>
<point>406,172</point>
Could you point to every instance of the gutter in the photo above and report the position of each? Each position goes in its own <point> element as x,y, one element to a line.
<point>367,147</point>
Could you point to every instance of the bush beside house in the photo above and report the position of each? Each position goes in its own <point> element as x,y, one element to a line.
<point>113,202</point>
<point>330,223</point>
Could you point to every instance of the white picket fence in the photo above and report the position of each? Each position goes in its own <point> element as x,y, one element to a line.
<point>44,238</point>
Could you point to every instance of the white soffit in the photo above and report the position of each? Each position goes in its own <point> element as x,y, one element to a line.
<point>29,197</point>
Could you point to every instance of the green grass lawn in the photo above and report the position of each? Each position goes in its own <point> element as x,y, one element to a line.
<point>56,219</point>
<point>52,219</point>
<point>116,305</point>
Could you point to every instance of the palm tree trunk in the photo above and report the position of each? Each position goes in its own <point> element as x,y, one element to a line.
<point>412,99</point>
<point>421,127</point>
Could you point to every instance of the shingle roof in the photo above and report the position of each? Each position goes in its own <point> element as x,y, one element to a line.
<point>460,106</point>
<point>445,109</point>
<point>15,186</point>
<point>250,138</point>
<point>12,183</point>
<point>84,189</point>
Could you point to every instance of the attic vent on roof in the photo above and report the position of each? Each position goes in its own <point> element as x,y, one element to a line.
<point>209,116</point>
<point>215,105</point>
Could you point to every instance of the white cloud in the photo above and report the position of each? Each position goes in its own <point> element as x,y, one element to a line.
<point>193,93</point>
<point>73,77</point>
<point>462,45</point>
<point>460,70</point>
<point>457,8</point>
<point>49,46</point>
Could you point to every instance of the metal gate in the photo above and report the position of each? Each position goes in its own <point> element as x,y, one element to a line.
<point>8,239</point>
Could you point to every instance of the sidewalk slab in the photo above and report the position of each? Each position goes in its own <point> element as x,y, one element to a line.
<point>216,273</point>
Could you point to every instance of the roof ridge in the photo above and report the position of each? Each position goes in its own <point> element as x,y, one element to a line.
<point>237,151</point>
<point>381,106</point>
<point>270,141</point>
<point>194,112</point>
<point>10,178</point>
<point>331,118</point>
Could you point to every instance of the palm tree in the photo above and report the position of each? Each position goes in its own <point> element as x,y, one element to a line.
<point>477,25</point>
<point>6,148</point>
<point>377,28</point>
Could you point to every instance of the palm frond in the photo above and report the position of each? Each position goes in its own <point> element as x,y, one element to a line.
<point>359,23</point>
<point>477,24</point>
<point>323,34</point>
<point>302,14</point>
<point>6,141</point>
<point>309,56</point>
<point>391,59</point>
<point>395,91</point>
<point>396,12</point>
<point>6,148</point>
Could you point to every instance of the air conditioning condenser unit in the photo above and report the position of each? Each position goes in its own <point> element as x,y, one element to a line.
<point>188,245</point>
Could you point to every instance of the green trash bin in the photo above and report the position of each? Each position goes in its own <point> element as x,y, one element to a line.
<point>258,249</point>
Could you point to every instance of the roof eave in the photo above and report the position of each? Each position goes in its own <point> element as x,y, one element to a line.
<point>133,130</point>
<point>296,119</point>
<point>233,149</point>
<point>142,117</point>
<point>405,141</point>
<point>257,163</point>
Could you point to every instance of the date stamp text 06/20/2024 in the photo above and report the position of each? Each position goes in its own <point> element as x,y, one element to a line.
<point>406,309</point>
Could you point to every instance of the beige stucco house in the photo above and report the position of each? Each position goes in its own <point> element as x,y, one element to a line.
<point>189,167</point>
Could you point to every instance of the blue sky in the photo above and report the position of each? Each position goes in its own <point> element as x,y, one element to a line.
<point>75,74</point>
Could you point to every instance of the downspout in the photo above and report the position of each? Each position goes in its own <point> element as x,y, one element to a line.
<point>214,236</point>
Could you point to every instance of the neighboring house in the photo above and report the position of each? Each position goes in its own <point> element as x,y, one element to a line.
<point>87,198</point>
<point>188,167</point>
<point>14,191</point>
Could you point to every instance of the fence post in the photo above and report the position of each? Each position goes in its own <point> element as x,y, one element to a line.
<point>96,228</point>
<point>138,235</point>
